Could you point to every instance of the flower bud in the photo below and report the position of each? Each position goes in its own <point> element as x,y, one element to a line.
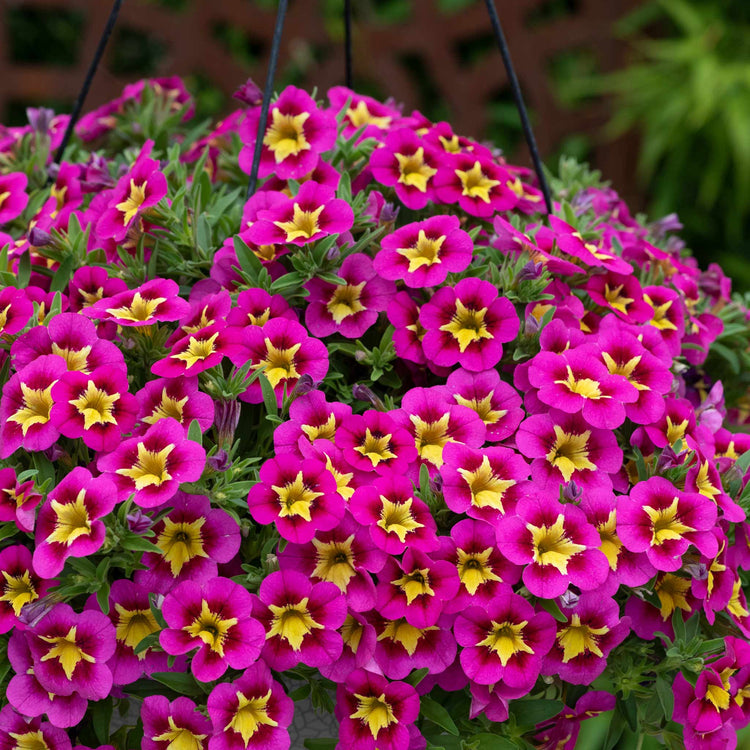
<point>363,393</point>
<point>40,119</point>
<point>572,493</point>
<point>227,417</point>
<point>249,93</point>
<point>138,521</point>
<point>569,599</point>
<point>219,461</point>
<point>39,238</point>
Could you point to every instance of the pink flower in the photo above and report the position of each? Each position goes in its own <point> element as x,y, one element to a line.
<point>165,724</point>
<point>296,132</point>
<point>17,731</point>
<point>20,585</point>
<point>216,619</point>
<point>177,399</point>
<point>198,351</point>
<point>424,252</point>
<point>152,466</point>
<point>68,523</point>
<point>16,310</point>
<point>362,112</point>
<point>312,214</point>
<point>403,314</point>
<point>350,308</point>
<point>467,323</point>
<point>13,197</point>
<point>18,500</point>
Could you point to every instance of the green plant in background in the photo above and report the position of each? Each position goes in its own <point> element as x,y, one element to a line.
<point>687,94</point>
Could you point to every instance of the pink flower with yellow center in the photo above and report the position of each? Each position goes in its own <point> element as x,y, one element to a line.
<point>299,496</point>
<point>565,447</point>
<point>152,467</point>
<point>359,646</point>
<point>423,253</point>
<point>662,521</point>
<point>310,215</point>
<point>256,307</point>
<point>563,732</point>
<point>591,252</point>
<point>409,165</point>
<point>90,284</point>
<point>71,651</point>
<point>19,585</point>
<point>142,187</point>
<point>26,406</point>
<point>154,301</point>
<point>174,398</point>
<point>301,619</point>
<point>169,726</point>
<point>15,310</point>
<point>18,500</point>
<point>397,520</point>
<point>362,111</point>
<point>403,315</point>
<point>285,351</point>
<point>477,184</point>
<point>198,351</point>
<point>96,407</point>
<point>667,317</point>
<point>352,307</point>
<point>251,712</point>
<point>192,538</point>
<point>13,197</point>
<point>555,544</point>
<point>467,324</point>
<point>296,132</point>
<point>216,619</point>
<point>620,293</point>
<point>505,641</point>
<point>483,483</point>
<point>17,731</point>
<point>69,522</point>
<point>375,713</point>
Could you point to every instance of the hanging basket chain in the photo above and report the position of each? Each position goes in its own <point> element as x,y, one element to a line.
<point>518,98</point>
<point>267,91</point>
<point>81,99</point>
<point>348,74</point>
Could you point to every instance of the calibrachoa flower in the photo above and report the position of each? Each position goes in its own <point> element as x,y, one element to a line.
<point>468,323</point>
<point>192,538</point>
<point>424,253</point>
<point>16,310</point>
<point>506,640</point>
<point>16,731</point>
<point>71,651</point>
<point>350,308</point>
<point>375,713</point>
<point>660,520</point>
<point>251,712</point>
<point>18,500</point>
<point>562,734</point>
<point>216,619</point>
<point>198,351</point>
<point>175,398</point>
<point>69,522</point>
<point>172,725</point>
<point>152,467</point>
<point>299,496</point>
<point>19,585</point>
<point>301,619</point>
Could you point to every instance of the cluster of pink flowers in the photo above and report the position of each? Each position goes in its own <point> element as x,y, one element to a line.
<point>385,426</point>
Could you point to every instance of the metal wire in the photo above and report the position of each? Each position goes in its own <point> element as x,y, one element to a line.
<point>275,46</point>
<point>348,74</point>
<point>518,97</point>
<point>80,100</point>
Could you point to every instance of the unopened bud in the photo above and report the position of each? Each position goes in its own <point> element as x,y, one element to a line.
<point>39,238</point>
<point>219,461</point>
<point>226,419</point>
<point>530,271</point>
<point>363,393</point>
<point>572,493</point>
<point>698,571</point>
<point>138,521</point>
<point>40,119</point>
<point>249,93</point>
<point>569,599</point>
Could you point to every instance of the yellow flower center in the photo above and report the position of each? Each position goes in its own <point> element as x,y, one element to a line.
<point>181,542</point>
<point>431,437</point>
<point>132,204</point>
<point>302,224</point>
<point>197,351</point>
<point>279,363</point>
<point>295,498</point>
<point>414,171</point>
<point>616,300</point>
<point>351,632</point>
<point>345,301</point>
<point>133,625</point>
<point>374,712</point>
<point>397,518</point>
<point>361,115</point>
<point>735,605</point>
<point>250,715</point>
<point>487,489</point>
<point>18,590</point>
<point>506,639</point>
<point>677,431</point>
<point>72,520</point>
<point>483,407</point>
<point>95,405</point>
<point>325,431</point>
<point>166,408</point>
<point>717,696</point>
<point>666,523</point>
<point>37,404</point>
<point>552,546</point>
<point>150,468</point>
<point>66,651</point>
<point>585,387</point>
<point>180,738</point>
<point>75,359</point>
<point>570,453</point>
<point>414,584</point>
<point>577,638</point>
<point>139,310</point>
<point>610,542</point>
<point>672,592</point>
<point>401,632</point>
<point>211,628</point>
<point>625,369</point>
<point>703,482</point>
<point>335,562</point>
<point>425,252</point>
<point>467,326</point>
<point>660,319</point>
<point>292,622</point>
<point>28,740</point>
<point>286,135</point>
<point>474,569</point>
<point>376,447</point>
<point>475,183</point>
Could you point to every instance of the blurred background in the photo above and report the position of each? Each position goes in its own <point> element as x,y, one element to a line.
<point>654,93</point>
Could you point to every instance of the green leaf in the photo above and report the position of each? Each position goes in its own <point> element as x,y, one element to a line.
<point>24,270</point>
<point>532,712</point>
<point>269,397</point>
<point>137,543</point>
<point>8,530</point>
<point>416,676</point>
<point>203,233</point>
<point>194,432</point>
<point>102,597</point>
<point>438,714</point>
<point>321,743</point>
<point>679,625</point>
<point>665,695</point>
<point>101,715</point>
<point>180,682</point>
<point>62,275</point>
<point>487,741</point>
<point>551,606</point>
<point>615,730</point>
<point>247,259</point>
<point>152,639</point>
<point>424,482</point>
